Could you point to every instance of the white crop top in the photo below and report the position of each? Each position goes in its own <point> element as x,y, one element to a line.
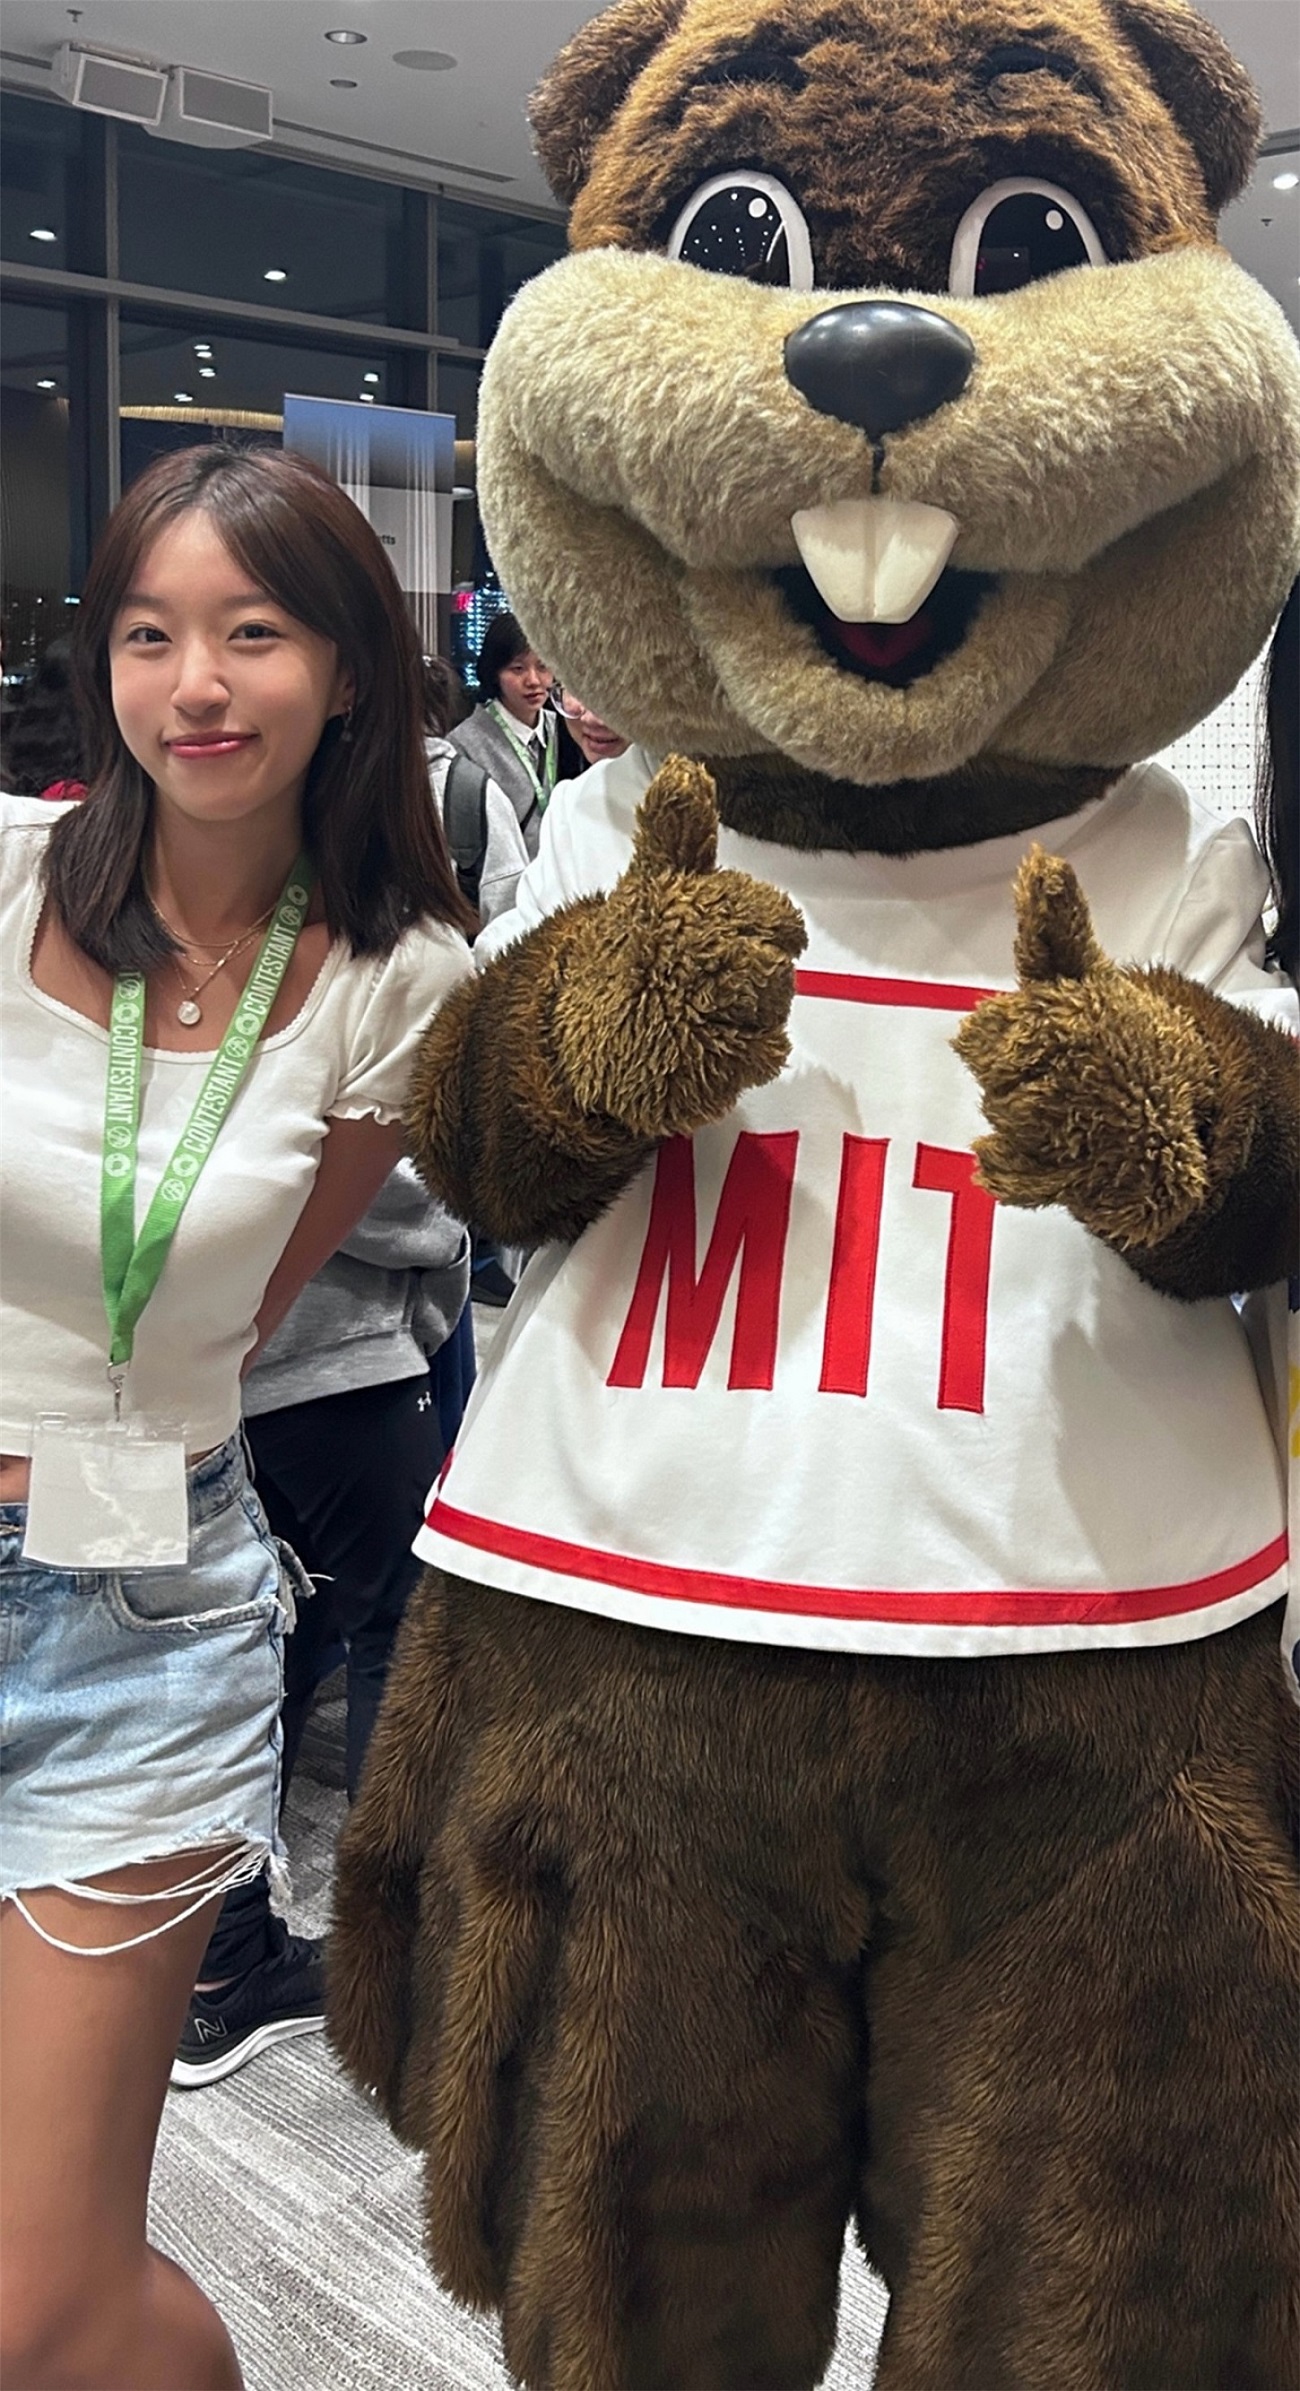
<point>346,1054</point>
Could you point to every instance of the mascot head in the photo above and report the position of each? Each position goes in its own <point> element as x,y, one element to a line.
<point>896,436</point>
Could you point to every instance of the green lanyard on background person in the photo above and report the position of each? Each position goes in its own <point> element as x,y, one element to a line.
<point>132,1266</point>
<point>542,786</point>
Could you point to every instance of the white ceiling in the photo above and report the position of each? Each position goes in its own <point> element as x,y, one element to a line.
<point>465,126</point>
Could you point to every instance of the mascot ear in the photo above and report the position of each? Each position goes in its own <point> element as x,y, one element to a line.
<point>1211,99</point>
<point>584,88</point>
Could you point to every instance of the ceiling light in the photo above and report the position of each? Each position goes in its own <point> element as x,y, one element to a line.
<point>346,39</point>
<point>342,83</point>
<point>209,372</point>
<point>183,398</point>
<point>203,348</point>
<point>41,232</point>
<point>370,377</point>
<point>1285,182</point>
<point>47,385</point>
<point>275,274</point>
<point>425,62</point>
<point>368,396</point>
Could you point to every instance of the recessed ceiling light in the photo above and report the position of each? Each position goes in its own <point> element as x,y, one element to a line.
<point>183,398</point>
<point>1285,182</point>
<point>47,385</point>
<point>342,83</point>
<point>425,62</point>
<point>370,377</point>
<point>41,232</point>
<point>275,274</point>
<point>209,372</point>
<point>346,39</point>
<point>368,396</point>
<point>203,348</point>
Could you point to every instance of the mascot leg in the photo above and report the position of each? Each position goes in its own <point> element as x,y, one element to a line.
<point>617,1910</point>
<point>1085,2109</point>
<point>599,1948</point>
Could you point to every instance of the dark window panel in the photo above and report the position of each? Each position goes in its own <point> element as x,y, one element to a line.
<point>35,501</point>
<point>246,376</point>
<point>49,183</point>
<point>219,220</point>
<point>484,256</point>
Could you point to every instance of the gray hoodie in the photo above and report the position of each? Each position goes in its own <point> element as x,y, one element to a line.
<point>379,1309</point>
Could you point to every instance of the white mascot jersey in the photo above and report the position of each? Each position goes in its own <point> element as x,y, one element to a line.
<point>805,1383</point>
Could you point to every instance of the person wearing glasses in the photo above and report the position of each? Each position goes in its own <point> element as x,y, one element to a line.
<point>596,740</point>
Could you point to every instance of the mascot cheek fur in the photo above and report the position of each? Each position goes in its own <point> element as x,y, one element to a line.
<point>835,1769</point>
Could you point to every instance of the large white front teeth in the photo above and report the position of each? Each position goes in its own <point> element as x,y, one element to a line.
<point>874,560</point>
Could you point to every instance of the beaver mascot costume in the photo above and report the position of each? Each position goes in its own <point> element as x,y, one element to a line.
<point>834,1769</point>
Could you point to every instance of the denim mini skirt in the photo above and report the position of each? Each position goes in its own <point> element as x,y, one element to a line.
<point>140,1710</point>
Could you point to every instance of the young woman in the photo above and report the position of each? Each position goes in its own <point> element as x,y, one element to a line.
<point>213,974</point>
<point>511,733</point>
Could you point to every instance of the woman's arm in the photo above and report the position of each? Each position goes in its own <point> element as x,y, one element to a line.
<point>355,1160</point>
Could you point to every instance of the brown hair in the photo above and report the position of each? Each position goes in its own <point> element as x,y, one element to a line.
<point>370,824</point>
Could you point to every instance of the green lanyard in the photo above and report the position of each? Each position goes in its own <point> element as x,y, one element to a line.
<point>132,1265</point>
<point>550,753</point>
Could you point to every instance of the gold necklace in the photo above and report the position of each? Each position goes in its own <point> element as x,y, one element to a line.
<point>189,1010</point>
<point>208,946</point>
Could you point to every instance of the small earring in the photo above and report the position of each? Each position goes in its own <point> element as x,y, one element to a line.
<point>346,732</point>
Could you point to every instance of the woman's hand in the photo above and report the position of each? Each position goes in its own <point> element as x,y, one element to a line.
<point>355,1160</point>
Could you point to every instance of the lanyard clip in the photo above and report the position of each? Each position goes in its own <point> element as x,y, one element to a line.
<point>117,1380</point>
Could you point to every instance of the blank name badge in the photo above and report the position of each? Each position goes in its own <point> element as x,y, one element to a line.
<point>107,1497</point>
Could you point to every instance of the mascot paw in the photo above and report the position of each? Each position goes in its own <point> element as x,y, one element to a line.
<point>675,995</point>
<point>1098,1091</point>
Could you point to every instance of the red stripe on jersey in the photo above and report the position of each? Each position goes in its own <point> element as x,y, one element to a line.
<point>855,988</point>
<point>1034,1608</point>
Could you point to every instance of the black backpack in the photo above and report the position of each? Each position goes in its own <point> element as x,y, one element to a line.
<point>464,815</point>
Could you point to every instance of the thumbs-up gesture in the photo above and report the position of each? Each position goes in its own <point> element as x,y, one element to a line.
<point>676,987</point>
<point>1097,1088</point>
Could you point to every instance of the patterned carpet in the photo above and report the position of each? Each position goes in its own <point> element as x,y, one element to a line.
<point>286,2196</point>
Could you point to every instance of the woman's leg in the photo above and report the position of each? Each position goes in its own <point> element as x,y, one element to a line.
<point>85,2048</point>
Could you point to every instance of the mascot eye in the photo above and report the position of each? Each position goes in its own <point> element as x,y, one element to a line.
<point>1019,231</point>
<point>745,223</point>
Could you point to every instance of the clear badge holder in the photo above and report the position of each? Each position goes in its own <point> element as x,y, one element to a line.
<point>107,1495</point>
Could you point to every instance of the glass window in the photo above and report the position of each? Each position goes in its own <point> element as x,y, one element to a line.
<point>41,184</point>
<point>483,257</point>
<point>241,225</point>
<point>181,384</point>
<point>34,470</point>
<point>458,382</point>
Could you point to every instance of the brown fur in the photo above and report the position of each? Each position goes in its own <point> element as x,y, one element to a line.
<point>622,1915</point>
<point>673,1954</point>
<point>1162,1117</point>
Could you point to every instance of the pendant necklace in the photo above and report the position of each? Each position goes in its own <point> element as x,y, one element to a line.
<point>189,1011</point>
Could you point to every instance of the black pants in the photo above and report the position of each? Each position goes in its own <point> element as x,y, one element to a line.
<point>344,1481</point>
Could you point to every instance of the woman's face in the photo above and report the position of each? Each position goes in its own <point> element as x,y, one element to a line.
<point>220,695</point>
<point>525,687</point>
<point>597,741</point>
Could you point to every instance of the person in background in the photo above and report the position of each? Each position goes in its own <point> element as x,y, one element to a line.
<point>511,733</point>
<point>43,752</point>
<point>214,977</point>
<point>344,1429</point>
<point>483,830</point>
<point>490,851</point>
<point>595,740</point>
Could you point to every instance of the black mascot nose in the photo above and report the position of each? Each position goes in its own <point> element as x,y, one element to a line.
<point>878,363</point>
